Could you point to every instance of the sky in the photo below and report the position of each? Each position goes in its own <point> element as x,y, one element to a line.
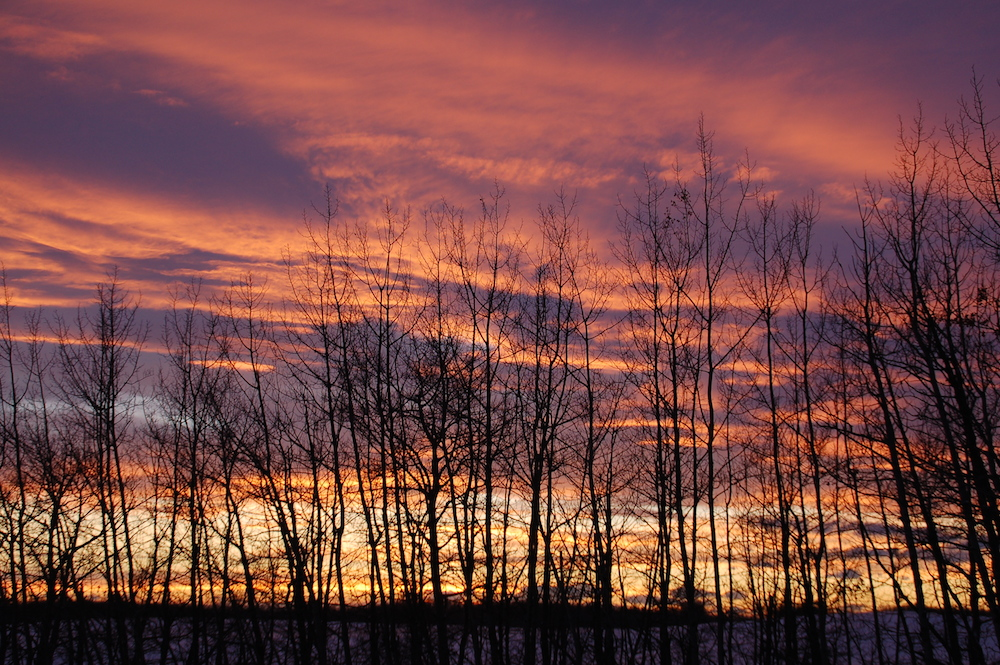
<point>186,139</point>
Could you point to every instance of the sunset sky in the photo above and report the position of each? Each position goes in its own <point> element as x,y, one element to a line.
<point>186,138</point>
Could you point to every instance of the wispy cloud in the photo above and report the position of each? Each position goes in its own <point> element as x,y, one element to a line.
<point>36,38</point>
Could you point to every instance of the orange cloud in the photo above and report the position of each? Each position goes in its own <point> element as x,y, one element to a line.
<point>481,91</point>
<point>428,101</point>
<point>72,232</point>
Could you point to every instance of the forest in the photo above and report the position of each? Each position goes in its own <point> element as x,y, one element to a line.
<point>449,437</point>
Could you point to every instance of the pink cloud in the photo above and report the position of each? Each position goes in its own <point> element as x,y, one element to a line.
<point>436,100</point>
<point>39,40</point>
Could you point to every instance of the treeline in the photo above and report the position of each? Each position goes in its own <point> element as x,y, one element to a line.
<point>442,440</point>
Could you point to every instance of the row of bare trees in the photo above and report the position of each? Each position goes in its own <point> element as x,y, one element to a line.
<point>443,439</point>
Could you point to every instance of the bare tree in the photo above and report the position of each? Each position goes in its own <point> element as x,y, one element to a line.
<point>99,363</point>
